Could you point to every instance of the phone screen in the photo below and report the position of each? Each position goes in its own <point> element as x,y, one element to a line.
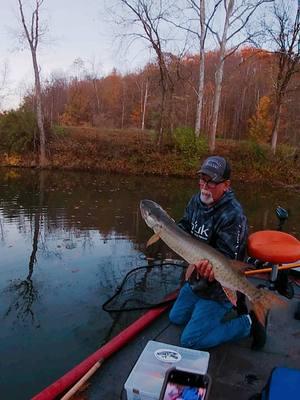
<point>183,385</point>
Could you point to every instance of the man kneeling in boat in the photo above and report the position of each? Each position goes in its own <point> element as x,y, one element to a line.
<point>215,216</point>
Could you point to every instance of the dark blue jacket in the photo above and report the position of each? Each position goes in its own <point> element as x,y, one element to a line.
<point>223,226</point>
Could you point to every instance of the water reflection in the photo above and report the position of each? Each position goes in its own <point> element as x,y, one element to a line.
<point>24,291</point>
<point>66,241</point>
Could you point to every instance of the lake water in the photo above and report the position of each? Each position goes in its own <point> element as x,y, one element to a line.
<point>67,239</point>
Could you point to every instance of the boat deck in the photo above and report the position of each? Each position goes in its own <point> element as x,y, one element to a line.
<point>237,371</point>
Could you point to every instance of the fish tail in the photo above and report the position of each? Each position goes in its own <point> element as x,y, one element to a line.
<point>265,301</point>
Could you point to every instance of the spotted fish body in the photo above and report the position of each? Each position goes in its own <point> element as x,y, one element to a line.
<point>193,250</point>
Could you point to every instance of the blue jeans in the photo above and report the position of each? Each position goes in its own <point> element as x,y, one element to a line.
<point>203,320</point>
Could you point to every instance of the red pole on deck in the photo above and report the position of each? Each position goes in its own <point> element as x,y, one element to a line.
<point>115,344</point>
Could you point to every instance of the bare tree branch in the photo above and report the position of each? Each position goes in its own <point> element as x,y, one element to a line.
<point>250,11</point>
<point>284,33</point>
<point>149,15</point>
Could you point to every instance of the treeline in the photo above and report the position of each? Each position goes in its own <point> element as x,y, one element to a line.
<point>231,92</point>
<point>133,100</point>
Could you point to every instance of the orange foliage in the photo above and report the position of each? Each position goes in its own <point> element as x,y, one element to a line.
<point>77,110</point>
<point>260,125</point>
<point>115,101</point>
<point>136,117</point>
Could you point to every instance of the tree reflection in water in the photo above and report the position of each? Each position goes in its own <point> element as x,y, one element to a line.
<point>1,231</point>
<point>26,293</point>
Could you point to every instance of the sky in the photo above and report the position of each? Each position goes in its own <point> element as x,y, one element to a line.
<point>76,29</point>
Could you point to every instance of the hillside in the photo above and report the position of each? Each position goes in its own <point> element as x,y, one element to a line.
<point>134,152</point>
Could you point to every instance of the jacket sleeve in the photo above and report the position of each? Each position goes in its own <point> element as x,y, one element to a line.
<point>231,237</point>
<point>185,222</point>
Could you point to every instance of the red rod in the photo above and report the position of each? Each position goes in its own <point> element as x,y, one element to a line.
<point>116,343</point>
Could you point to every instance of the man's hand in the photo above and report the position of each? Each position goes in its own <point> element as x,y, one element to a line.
<point>205,270</point>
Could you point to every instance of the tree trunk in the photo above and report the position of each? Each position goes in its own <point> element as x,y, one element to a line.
<point>216,106</point>
<point>276,127</point>
<point>51,117</point>
<point>171,114</point>
<point>163,106</point>
<point>123,115</point>
<point>97,95</point>
<point>219,78</point>
<point>200,93</point>
<point>123,107</point>
<point>238,128</point>
<point>32,259</point>
<point>39,111</point>
<point>186,111</point>
<point>145,105</point>
<point>162,117</point>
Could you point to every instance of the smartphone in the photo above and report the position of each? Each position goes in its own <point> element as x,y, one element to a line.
<point>185,385</point>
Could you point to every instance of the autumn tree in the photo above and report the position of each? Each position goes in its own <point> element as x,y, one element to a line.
<point>236,17</point>
<point>93,76</point>
<point>260,124</point>
<point>142,82</point>
<point>148,17</point>
<point>112,99</point>
<point>33,33</point>
<point>284,32</point>
<point>126,101</point>
<point>54,97</point>
<point>247,81</point>
<point>192,15</point>
<point>78,107</point>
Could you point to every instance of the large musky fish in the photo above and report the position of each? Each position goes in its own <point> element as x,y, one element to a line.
<point>227,272</point>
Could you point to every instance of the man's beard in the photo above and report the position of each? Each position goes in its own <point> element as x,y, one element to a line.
<point>206,197</point>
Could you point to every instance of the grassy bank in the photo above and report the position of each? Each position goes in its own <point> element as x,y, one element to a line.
<point>133,152</point>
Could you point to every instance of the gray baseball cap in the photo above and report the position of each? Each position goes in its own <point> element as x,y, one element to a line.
<point>217,168</point>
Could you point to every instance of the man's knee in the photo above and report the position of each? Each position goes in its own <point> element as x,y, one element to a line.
<point>177,318</point>
<point>197,342</point>
<point>189,342</point>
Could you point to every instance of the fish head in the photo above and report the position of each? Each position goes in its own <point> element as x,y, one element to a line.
<point>153,214</point>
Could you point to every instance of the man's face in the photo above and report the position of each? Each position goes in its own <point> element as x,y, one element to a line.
<point>210,191</point>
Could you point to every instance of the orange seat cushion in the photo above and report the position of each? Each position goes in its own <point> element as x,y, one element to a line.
<point>274,246</point>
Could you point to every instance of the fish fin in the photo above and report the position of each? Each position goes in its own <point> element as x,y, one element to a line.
<point>266,301</point>
<point>239,266</point>
<point>154,238</point>
<point>261,312</point>
<point>231,295</point>
<point>188,273</point>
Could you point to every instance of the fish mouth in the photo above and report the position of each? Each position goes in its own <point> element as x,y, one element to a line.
<point>146,207</point>
<point>143,209</point>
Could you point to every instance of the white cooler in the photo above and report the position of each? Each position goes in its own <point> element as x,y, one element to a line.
<point>147,376</point>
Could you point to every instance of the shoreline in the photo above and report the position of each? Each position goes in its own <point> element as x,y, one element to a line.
<point>128,153</point>
<point>295,187</point>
